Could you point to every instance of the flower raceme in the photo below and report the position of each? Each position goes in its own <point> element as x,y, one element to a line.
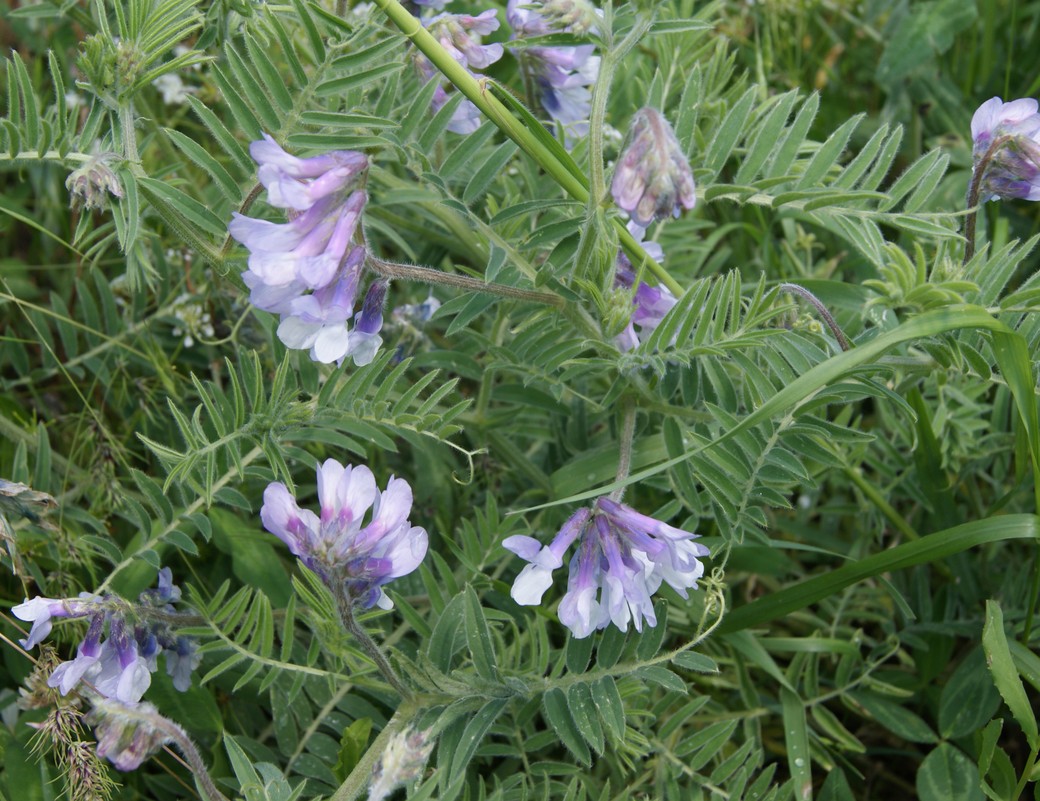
<point>1006,147</point>
<point>652,179</point>
<point>561,76</point>
<point>459,35</point>
<point>309,269</point>
<point>336,545</point>
<point>119,667</point>
<point>649,303</point>
<point>622,559</point>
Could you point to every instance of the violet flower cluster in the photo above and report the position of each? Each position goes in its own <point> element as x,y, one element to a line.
<point>344,552</point>
<point>622,559</point>
<point>652,179</point>
<point>649,303</point>
<point>560,76</point>
<point>460,34</point>
<point>1006,147</point>
<point>121,666</point>
<point>309,270</point>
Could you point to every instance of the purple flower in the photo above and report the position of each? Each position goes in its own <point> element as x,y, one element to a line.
<point>40,612</point>
<point>652,178</point>
<point>1006,145</point>
<point>336,545</point>
<point>308,270</point>
<point>295,183</point>
<point>68,674</point>
<point>123,672</point>
<point>651,303</point>
<point>120,666</point>
<point>561,75</point>
<point>460,34</point>
<point>623,557</point>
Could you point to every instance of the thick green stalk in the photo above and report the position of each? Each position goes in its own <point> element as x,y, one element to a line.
<point>478,92</point>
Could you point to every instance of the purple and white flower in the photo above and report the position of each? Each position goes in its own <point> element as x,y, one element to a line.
<point>1006,145</point>
<point>128,734</point>
<point>652,179</point>
<point>41,611</point>
<point>337,544</point>
<point>622,559</point>
<point>650,303</point>
<point>309,270</point>
<point>120,666</point>
<point>560,75</point>
<point>460,35</point>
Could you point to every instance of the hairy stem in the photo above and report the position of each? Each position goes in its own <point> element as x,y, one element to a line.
<point>802,292</point>
<point>974,190</point>
<point>426,275</point>
<point>345,605</point>
<point>628,429</point>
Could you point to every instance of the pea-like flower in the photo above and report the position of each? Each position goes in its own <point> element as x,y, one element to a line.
<point>309,270</point>
<point>336,544</point>
<point>460,35</point>
<point>120,666</point>
<point>652,179</point>
<point>560,76</point>
<point>622,559</point>
<point>1006,147</point>
<point>649,303</point>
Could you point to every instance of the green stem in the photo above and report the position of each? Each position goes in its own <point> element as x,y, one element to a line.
<point>1034,593</point>
<point>47,155</point>
<point>479,93</point>
<point>628,428</point>
<point>126,125</point>
<point>824,312</point>
<point>876,498</point>
<point>598,112</point>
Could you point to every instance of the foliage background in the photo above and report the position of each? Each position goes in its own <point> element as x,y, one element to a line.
<point>861,507</point>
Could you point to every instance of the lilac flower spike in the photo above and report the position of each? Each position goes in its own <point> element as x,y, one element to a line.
<point>309,269</point>
<point>561,76</point>
<point>1006,146</point>
<point>653,178</point>
<point>120,666</point>
<point>336,545</point>
<point>650,303</point>
<point>460,34</point>
<point>623,557</point>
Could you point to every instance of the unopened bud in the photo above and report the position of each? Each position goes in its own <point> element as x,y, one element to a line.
<point>402,762</point>
<point>127,734</point>
<point>652,179</point>
<point>578,16</point>
<point>93,182</point>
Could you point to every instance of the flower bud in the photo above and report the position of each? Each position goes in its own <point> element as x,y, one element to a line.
<point>1006,146</point>
<point>578,16</point>
<point>91,183</point>
<point>402,762</point>
<point>653,178</point>
<point>127,734</point>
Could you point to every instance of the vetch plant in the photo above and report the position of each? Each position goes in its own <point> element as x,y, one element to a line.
<point>810,394</point>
